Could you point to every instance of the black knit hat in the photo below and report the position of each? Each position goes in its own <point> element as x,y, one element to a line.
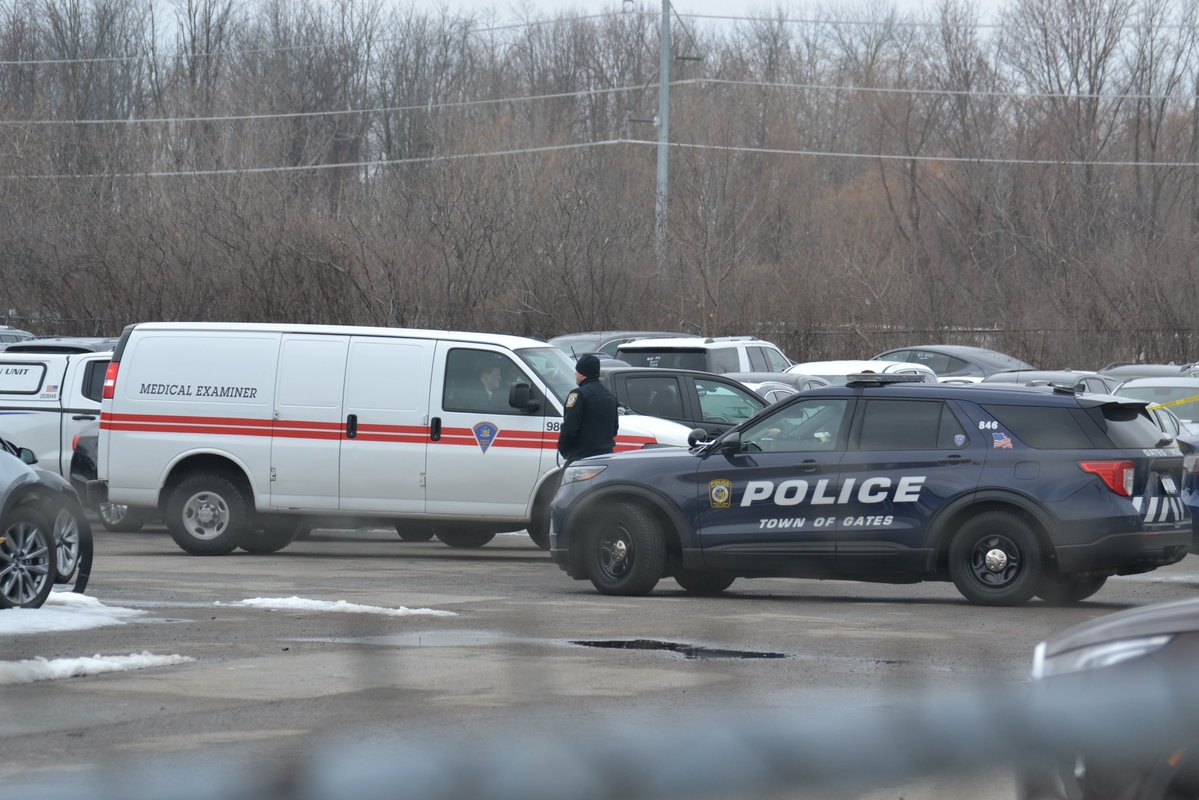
<point>588,366</point>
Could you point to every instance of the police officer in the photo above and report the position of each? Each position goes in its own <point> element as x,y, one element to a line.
<point>590,423</point>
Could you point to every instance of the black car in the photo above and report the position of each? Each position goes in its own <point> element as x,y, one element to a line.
<point>689,397</point>
<point>1153,646</point>
<point>44,536</point>
<point>956,361</point>
<point>1009,493</point>
<point>113,516</point>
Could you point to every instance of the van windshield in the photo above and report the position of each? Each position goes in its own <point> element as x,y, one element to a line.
<point>554,368</point>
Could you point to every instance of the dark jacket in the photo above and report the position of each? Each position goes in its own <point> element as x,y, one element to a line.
<point>590,422</point>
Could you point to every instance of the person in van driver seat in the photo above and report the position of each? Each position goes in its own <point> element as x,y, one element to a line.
<point>590,421</point>
<point>483,390</point>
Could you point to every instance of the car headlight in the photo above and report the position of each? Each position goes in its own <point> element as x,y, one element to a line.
<point>581,473</point>
<point>1094,656</point>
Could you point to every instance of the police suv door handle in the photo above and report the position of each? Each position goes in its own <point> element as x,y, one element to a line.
<point>956,459</point>
<point>352,426</point>
<point>435,429</point>
<point>808,465</point>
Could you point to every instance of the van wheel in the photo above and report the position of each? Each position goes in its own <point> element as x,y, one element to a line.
<point>207,515</point>
<point>121,519</point>
<point>626,551</point>
<point>464,537</point>
<point>1061,590</point>
<point>995,560</point>
<point>697,582</point>
<point>539,529</point>
<point>271,535</point>
<point>414,531</point>
<point>27,555</point>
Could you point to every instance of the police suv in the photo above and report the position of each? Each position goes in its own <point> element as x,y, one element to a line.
<point>1008,492</point>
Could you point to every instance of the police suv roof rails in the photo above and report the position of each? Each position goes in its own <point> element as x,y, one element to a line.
<point>882,379</point>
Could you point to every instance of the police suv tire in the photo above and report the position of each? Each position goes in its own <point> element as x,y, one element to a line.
<point>1060,590</point>
<point>120,518</point>
<point>626,551</point>
<point>414,531</point>
<point>464,537</point>
<point>704,582</point>
<point>207,514</point>
<point>27,554</point>
<point>995,560</point>
<point>271,535</point>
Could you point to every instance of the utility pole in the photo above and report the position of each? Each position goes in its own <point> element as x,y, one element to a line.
<point>660,207</point>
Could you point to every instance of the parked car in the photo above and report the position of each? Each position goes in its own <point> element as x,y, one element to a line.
<point>1009,493</point>
<point>1079,380</point>
<point>1126,371</point>
<point>113,516</point>
<point>1148,646</point>
<point>837,373</point>
<point>10,334</point>
<point>719,354</point>
<point>688,397</point>
<point>956,362</point>
<point>44,536</point>
<point>1180,395</point>
<point>606,342</point>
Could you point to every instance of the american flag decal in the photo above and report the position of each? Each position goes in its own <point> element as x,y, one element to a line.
<point>1002,441</point>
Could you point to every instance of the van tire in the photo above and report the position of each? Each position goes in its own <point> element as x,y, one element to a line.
<point>207,515</point>
<point>270,535</point>
<point>414,531</point>
<point>464,537</point>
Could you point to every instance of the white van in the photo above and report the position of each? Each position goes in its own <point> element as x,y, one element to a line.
<point>49,390</point>
<point>237,431</point>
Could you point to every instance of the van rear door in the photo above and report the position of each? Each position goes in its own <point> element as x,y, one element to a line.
<point>386,408</point>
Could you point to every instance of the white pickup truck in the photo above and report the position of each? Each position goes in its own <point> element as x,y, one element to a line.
<point>49,390</point>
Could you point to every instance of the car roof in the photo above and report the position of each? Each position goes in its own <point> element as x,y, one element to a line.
<point>819,368</point>
<point>63,344</point>
<point>1149,383</point>
<point>695,342</point>
<point>1017,375</point>
<point>619,367</point>
<point>470,337</point>
<point>1145,370</point>
<point>970,352</point>
<point>603,335</point>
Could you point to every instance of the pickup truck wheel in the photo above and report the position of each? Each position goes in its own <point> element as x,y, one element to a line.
<point>626,551</point>
<point>995,560</point>
<point>414,531</point>
<point>1062,590</point>
<point>207,515</point>
<point>121,519</point>
<point>27,556</point>
<point>271,535</point>
<point>697,582</point>
<point>464,537</point>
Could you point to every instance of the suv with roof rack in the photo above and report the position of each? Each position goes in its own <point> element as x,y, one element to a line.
<point>712,354</point>
<point>1008,492</point>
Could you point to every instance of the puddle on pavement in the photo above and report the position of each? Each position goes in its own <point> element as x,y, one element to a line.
<point>689,651</point>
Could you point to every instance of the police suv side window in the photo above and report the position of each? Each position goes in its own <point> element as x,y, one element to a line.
<point>806,426</point>
<point>909,425</point>
<point>1043,428</point>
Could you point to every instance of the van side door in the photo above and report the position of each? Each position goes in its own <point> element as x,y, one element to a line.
<point>484,456</point>
<point>81,392</point>
<point>385,415</point>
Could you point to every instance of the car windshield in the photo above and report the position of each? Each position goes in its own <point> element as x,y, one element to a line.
<point>554,368</point>
<point>1182,400</point>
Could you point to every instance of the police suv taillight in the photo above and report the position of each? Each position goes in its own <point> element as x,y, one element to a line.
<point>110,380</point>
<point>1118,475</point>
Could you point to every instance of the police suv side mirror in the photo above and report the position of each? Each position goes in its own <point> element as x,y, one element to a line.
<point>521,396</point>
<point>27,455</point>
<point>730,445</point>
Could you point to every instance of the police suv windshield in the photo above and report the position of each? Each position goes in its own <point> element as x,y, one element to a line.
<point>554,368</point>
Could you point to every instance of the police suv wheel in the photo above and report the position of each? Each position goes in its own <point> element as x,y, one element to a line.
<point>697,582</point>
<point>121,519</point>
<point>271,534</point>
<point>1060,590</point>
<point>207,515</point>
<point>995,560</point>
<point>27,556</point>
<point>464,537</point>
<point>626,551</point>
<point>414,531</point>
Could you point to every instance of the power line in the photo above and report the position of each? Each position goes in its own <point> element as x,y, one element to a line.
<point>980,160</point>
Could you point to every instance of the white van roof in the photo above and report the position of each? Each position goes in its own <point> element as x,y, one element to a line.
<point>473,337</point>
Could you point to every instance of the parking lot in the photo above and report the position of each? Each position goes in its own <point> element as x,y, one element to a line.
<point>267,681</point>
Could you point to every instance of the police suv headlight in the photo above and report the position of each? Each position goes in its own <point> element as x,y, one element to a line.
<point>1095,656</point>
<point>581,473</point>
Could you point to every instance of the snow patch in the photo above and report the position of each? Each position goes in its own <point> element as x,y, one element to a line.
<point>339,606</point>
<point>64,611</point>
<point>41,669</point>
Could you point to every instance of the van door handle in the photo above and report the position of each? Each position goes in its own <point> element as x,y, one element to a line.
<point>79,417</point>
<point>352,426</point>
<point>435,429</point>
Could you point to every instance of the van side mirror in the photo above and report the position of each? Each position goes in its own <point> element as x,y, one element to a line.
<point>520,396</point>
<point>27,455</point>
